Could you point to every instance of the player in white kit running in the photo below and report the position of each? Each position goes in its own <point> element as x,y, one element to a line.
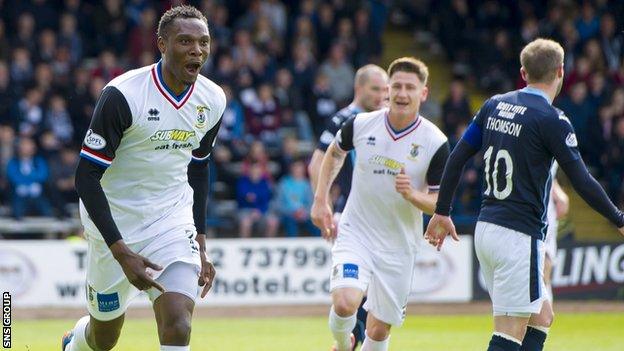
<point>558,206</point>
<point>142,182</point>
<point>399,161</point>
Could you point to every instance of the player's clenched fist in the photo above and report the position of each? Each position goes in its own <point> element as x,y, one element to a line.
<point>403,185</point>
<point>322,217</point>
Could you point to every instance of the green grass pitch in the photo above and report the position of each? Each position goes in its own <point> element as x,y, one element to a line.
<point>571,332</point>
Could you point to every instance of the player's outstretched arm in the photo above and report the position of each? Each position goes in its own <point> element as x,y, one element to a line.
<point>321,212</point>
<point>591,191</point>
<point>314,167</point>
<point>441,224</point>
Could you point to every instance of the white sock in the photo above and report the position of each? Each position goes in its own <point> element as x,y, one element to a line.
<point>372,345</point>
<point>175,348</point>
<point>341,328</point>
<point>79,341</point>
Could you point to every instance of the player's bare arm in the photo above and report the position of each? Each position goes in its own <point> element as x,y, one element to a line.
<point>315,166</point>
<point>321,212</point>
<point>561,199</point>
<point>207,274</point>
<point>424,201</point>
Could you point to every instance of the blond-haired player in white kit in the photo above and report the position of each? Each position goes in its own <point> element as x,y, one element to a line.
<point>142,181</point>
<point>399,162</point>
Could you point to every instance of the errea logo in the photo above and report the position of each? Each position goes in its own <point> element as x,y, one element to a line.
<point>172,134</point>
<point>153,114</point>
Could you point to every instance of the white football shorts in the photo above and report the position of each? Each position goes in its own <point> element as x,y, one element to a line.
<point>108,290</point>
<point>512,264</point>
<point>385,276</point>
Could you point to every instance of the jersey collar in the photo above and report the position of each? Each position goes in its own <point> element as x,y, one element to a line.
<point>535,91</point>
<point>398,134</point>
<point>176,100</point>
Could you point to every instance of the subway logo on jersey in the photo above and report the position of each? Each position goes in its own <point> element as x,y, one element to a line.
<point>172,134</point>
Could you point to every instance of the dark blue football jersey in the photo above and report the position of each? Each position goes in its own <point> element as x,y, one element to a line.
<point>333,126</point>
<point>521,133</point>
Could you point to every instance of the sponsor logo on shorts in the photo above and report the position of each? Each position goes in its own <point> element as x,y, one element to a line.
<point>350,270</point>
<point>94,141</point>
<point>91,295</point>
<point>108,302</point>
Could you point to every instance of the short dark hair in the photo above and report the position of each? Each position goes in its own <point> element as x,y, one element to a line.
<point>182,11</point>
<point>410,65</point>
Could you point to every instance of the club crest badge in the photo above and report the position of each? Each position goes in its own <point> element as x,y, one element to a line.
<point>414,152</point>
<point>201,116</point>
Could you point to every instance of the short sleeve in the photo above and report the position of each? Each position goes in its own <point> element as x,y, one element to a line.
<point>560,138</point>
<point>328,135</point>
<point>111,118</point>
<point>436,167</point>
<point>207,143</point>
<point>344,137</point>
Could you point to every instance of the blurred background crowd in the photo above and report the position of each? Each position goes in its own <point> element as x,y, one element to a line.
<point>287,67</point>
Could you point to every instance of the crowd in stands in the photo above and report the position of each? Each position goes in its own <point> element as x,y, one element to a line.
<point>286,66</point>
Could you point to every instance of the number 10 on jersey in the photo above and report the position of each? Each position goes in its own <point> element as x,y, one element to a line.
<point>504,156</point>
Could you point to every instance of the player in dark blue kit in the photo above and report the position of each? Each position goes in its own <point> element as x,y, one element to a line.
<point>519,134</point>
<point>370,91</point>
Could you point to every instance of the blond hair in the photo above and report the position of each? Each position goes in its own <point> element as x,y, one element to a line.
<point>410,65</point>
<point>541,59</point>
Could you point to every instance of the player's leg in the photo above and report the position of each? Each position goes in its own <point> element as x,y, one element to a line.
<point>377,335</point>
<point>349,280</point>
<point>388,291</point>
<point>539,324</point>
<point>360,326</point>
<point>91,334</point>
<point>174,309</point>
<point>342,315</point>
<point>510,263</point>
<point>108,295</point>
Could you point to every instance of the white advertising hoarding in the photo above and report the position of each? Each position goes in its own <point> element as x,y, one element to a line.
<point>249,272</point>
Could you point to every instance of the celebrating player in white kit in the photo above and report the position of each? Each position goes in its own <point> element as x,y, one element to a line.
<point>143,204</point>
<point>399,162</point>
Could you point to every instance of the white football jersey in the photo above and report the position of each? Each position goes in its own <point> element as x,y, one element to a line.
<point>146,137</point>
<point>375,211</point>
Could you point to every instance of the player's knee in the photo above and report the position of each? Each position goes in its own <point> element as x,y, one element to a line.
<point>345,306</point>
<point>105,343</point>
<point>178,331</point>
<point>377,331</point>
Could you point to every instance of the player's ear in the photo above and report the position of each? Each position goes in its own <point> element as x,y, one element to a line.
<point>424,94</point>
<point>523,74</point>
<point>161,45</point>
<point>560,71</point>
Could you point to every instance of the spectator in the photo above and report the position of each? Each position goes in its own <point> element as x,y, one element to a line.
<point>456,107</point>
<point>578,109</point>
<point>28,113</point>
<point>21,69</point>
<point>294,201</point>
<point>7,95</point>
<point>232,129</point>
<point>340,74</point>
<point>263,116</point>
<point>58,120</point>
<point>611,43</point>
<point>321,106</point>
<point>110,26</point>
<point>46,50</point>
<point>5,46</point>
<point>27,175</point>
<point>253,195</point>
<point>62,190</point>
<point>107,67</point>
<point>70,38</point>
<point>143,37</point>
